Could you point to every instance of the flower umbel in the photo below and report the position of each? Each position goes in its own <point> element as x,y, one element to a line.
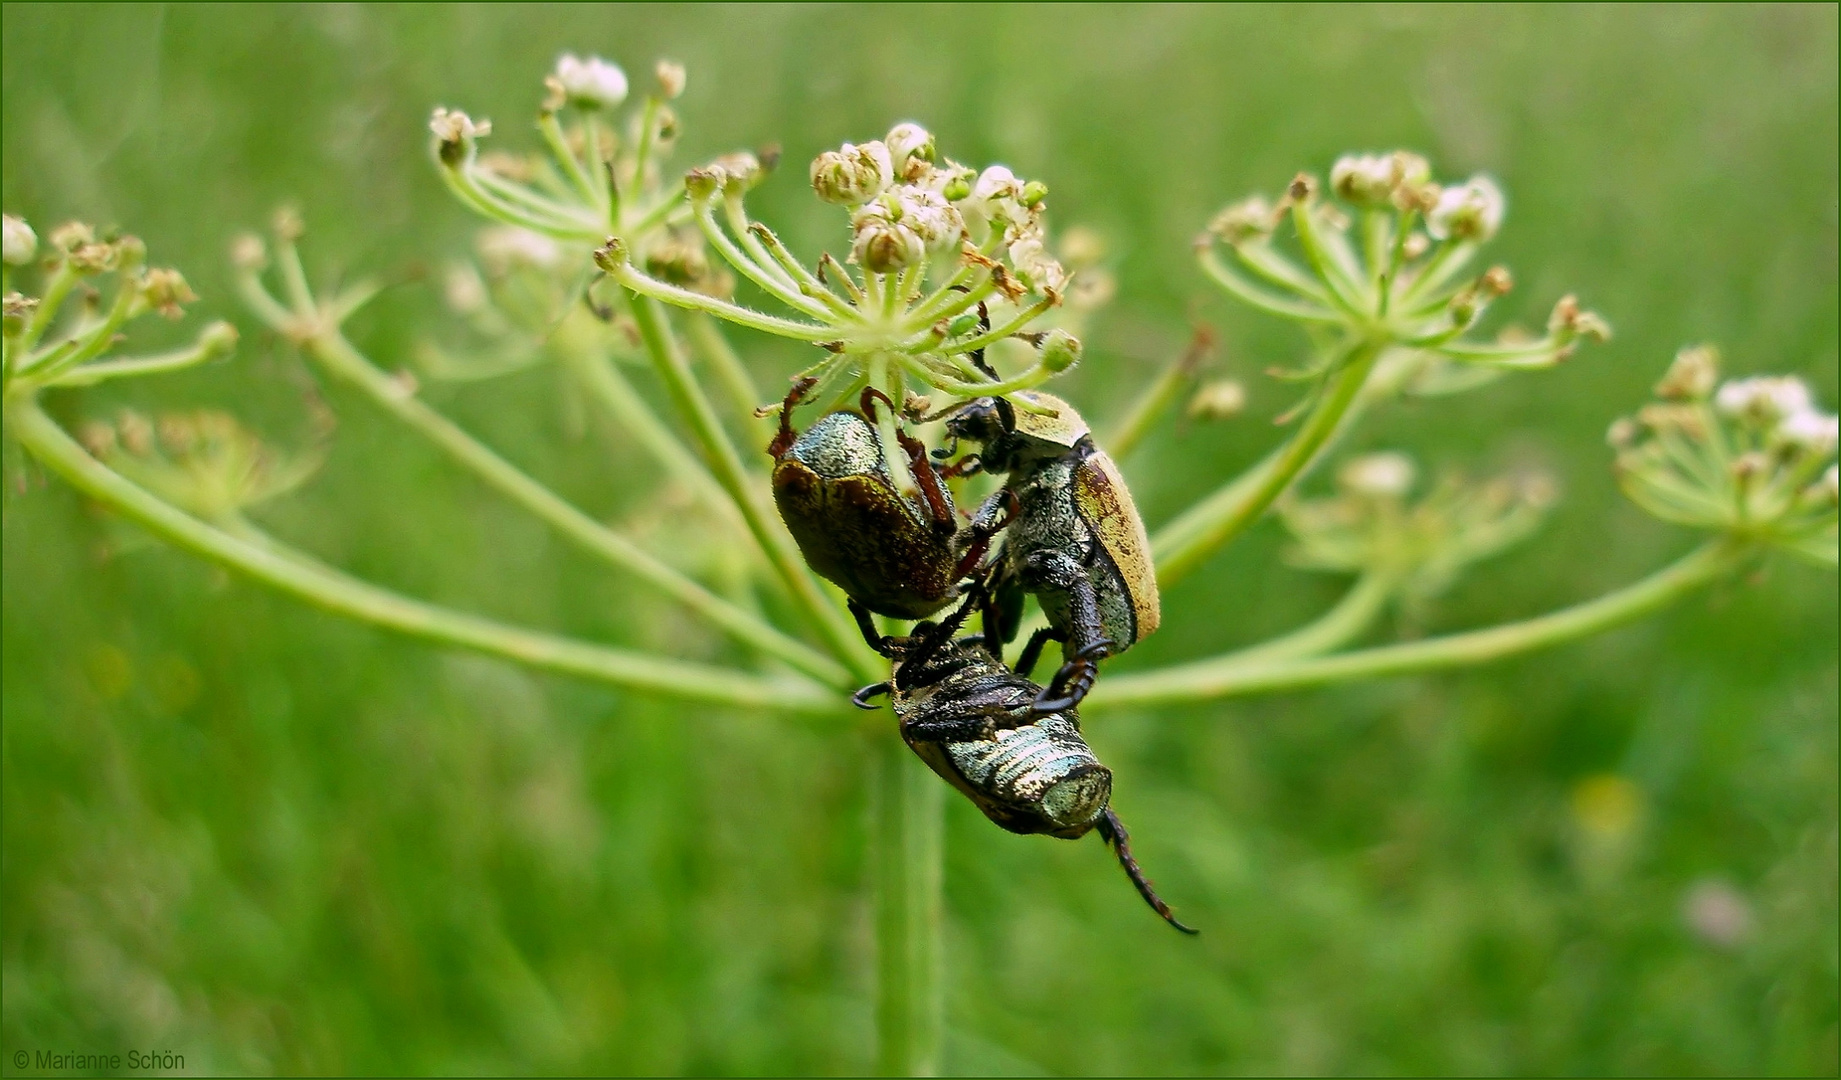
<point>1753,459</point>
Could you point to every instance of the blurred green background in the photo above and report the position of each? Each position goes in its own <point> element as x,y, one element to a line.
<point>274,841</point>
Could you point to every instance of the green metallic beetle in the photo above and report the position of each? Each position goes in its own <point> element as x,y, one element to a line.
<point>896,555</point>
<point>1076,541</point>
<point>976,724</point>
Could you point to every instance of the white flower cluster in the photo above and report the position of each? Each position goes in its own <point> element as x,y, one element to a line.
<point>910,207</point>
<point>1373,526</point>
<point>1750,456</point>
<point>1782,406</point>
<point>595,83</point>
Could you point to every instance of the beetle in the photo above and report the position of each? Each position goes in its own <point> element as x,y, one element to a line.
<point>897,555</point>
<point>1077,542</point>
<point>975,723</point>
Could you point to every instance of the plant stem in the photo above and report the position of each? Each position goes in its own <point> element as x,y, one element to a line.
<point>1354,613</point>
<point>720,454</point>
<point>337,592</point>
<point>1208,679</point>
<point>332,350</point>
<point>1182,545</point>
<point>909,1001</point>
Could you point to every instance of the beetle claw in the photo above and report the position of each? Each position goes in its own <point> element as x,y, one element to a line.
<point>861,698</point>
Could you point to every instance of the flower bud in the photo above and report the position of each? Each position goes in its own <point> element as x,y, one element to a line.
<point>71,235</point>
<point>1569,321</point>
<point>883,246</point>
<point>934,219</point>
<point>1033,193</point>
<point>18,307</point>
<point>671,78</point>
<point>996,182</point>
<point>965,323</point>
<point>1060,351</point>
<point>454,133</point>
<point>1380,476</point>
<point>1247,221</point>
<point>703,183</point>
<point>218,338</point>
<point>1363,179</point>
<point>741,169</point>
<point>957,188</point>
<point>852,175</point>
<point>1692,376</point>
<point>592,83</point>
<point>20,242</point>
<point>1220,399</point>
<point>248,252</point>
<point>612,255</point>
<point>164,290</point>
<point>1039,269</point>
<point>1416,244</point>
<point>909,142</point>
<point>1496,281</point>
<point>1472,211</point>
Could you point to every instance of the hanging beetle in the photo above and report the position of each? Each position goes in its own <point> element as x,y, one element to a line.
<point>1077,542</point>
<point>832,484</point>
<point>974,722</point>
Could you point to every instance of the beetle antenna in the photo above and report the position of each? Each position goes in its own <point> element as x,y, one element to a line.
<point>1112,830</point>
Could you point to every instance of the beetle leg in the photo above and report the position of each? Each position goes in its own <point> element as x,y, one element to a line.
<point>1002,609</point>
<point>784,438</point>
<point>876,639</point>
<point>861,698</point>
<point>969,465</point>
<point>1085,637</point>
<point>1033,651</point>
<point>982,529</point>
<point>1112,831</point>
<point>965,725</point>
<point>932,637</point>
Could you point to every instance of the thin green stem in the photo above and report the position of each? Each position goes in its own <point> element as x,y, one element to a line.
<point>1209,679</point>
<point>634,281</point>
<point>334,591</point>
<point>216,341</point>
<point>1252,295</point>
<point>1023,318</point>
<point>909,1000</point>
<point>1182,545</point>
<point>1343,623</point>
<point>339,357</point>
<point>744,489</point>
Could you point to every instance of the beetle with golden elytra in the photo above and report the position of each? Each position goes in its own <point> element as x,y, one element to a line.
<point>1076,542</point>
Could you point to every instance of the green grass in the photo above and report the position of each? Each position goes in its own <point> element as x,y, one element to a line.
<point>272,841</point>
